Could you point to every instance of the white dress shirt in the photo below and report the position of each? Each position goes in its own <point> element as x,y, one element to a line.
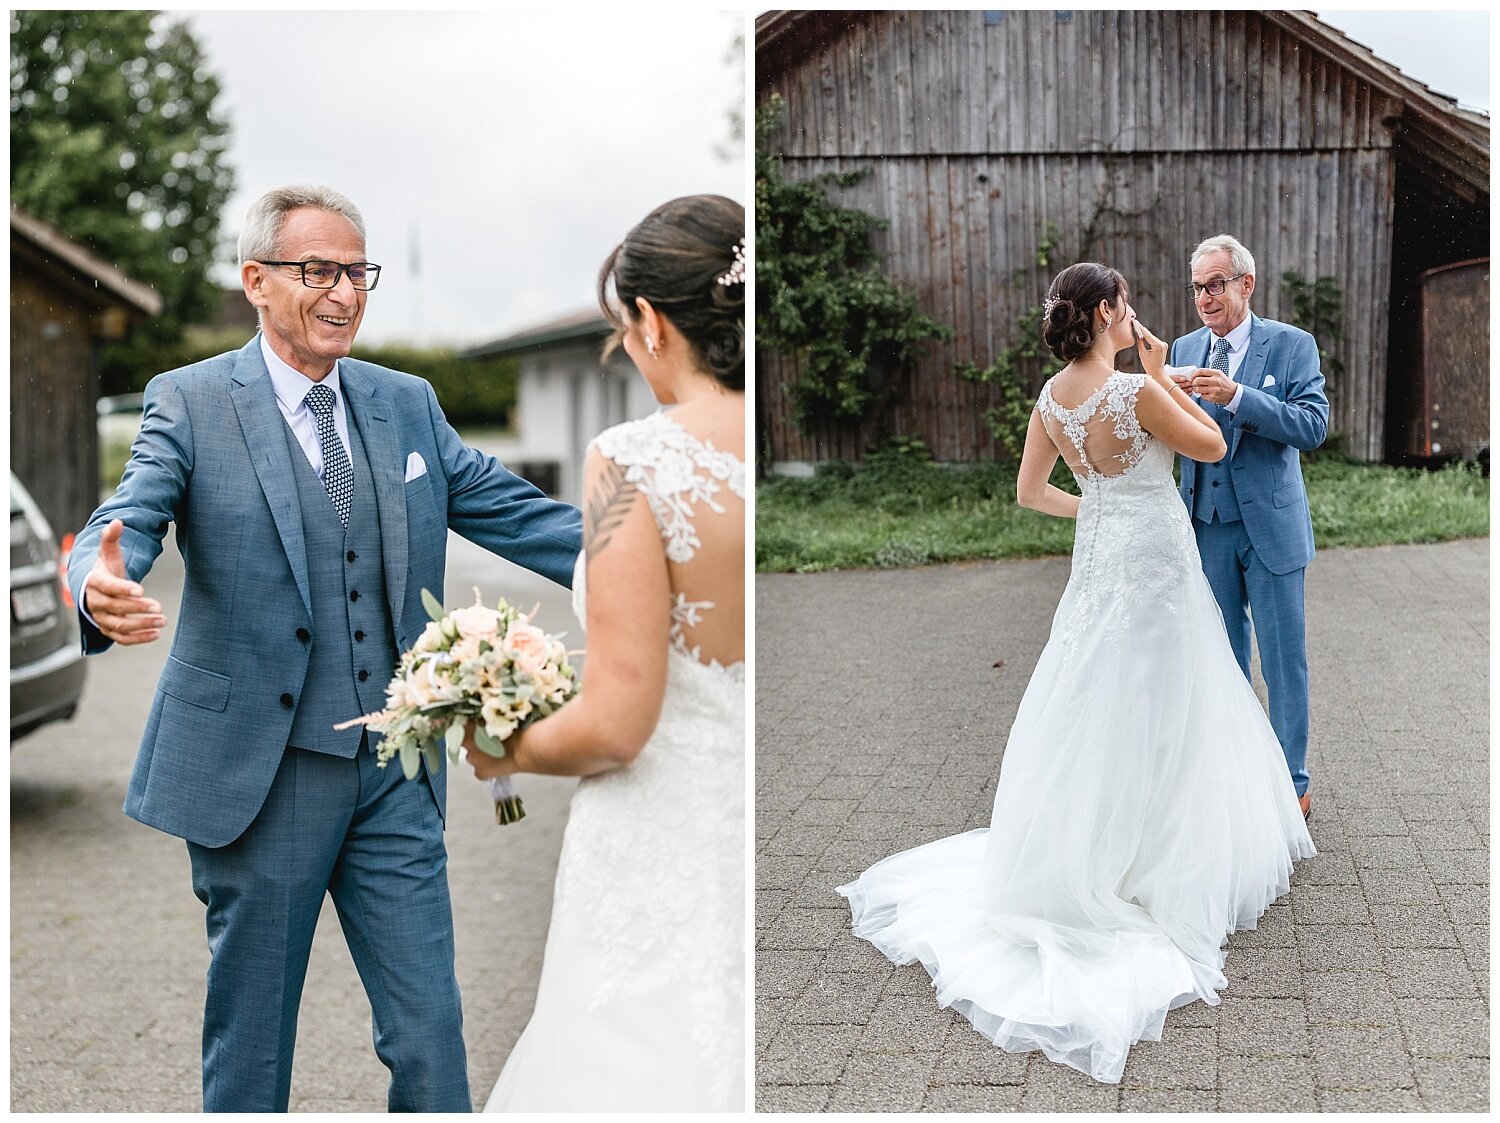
<point>291,387</point>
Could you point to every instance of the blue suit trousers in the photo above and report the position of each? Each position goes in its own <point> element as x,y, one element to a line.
<point>1246,590</point>
<point>348,828</point>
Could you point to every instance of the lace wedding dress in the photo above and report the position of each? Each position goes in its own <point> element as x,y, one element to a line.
<point>641,1001</point>
<point>1144,808</point>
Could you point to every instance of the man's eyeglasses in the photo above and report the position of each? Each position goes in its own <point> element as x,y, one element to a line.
<point>363,275</point>
<point>1213,288</point>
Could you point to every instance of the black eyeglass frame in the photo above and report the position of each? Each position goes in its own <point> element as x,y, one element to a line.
<point>1195,290</point>
<point>343,271</point>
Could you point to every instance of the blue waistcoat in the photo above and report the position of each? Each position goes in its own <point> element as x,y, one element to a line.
<point>351,632</point>
<point>1213,489</point>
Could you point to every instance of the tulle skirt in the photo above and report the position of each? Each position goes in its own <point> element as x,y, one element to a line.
<point>1144,811</point>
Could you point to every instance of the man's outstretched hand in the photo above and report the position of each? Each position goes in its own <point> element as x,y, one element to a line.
<point>117,604</point>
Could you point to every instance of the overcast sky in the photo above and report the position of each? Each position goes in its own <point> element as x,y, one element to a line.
<point>1448,50</point>
<point>520,147</point>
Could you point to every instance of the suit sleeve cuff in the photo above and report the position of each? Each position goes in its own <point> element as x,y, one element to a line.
<point>83,599</point>
<point>1233,404</point>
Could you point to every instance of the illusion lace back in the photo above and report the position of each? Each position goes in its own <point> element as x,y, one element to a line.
<point>641,1002</point>
<point>1144,810</point>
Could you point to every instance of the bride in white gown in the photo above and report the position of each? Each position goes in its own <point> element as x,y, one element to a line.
<point>1144,809</point>
<point>641,1001</point>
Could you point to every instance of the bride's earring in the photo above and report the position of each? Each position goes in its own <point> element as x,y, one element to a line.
<point>650,346</point>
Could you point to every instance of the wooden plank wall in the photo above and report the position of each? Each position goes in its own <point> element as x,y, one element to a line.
<point>1167,126</point>
<point>54,446</point>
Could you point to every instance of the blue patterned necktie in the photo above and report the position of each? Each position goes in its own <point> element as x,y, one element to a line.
<point>338,474</point>
<point>1221,356</point>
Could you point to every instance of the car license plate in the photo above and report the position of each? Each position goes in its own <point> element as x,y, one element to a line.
<point>32,603</point>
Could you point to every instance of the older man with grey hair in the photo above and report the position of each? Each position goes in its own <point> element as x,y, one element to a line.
<point>312,494</point>
<point>1262,382</point>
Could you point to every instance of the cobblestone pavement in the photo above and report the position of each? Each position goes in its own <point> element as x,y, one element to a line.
<point>1366,988</point>
<point>108,952</point>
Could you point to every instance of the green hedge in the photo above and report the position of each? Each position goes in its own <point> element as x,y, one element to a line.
<point>900,510</point>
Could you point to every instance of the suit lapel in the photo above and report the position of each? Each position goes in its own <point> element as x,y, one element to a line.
<point>265,437</point>
<point>388,469</point>
<point>1254,366</point>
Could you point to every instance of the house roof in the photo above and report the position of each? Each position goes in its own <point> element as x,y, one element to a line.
<point>51,243</point>
<point>1433,127</point>
<point>579,326</point>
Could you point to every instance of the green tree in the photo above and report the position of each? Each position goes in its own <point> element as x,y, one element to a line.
<point>820,295</point>
<point>115,139</point>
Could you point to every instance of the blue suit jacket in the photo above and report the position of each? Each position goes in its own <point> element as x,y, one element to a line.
<point>1282,411</point>
<point>212,457</point>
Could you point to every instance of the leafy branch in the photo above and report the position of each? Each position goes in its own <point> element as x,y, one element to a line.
<point>821,298</point>
<point>1318,308</point>
<point>1007,372</point>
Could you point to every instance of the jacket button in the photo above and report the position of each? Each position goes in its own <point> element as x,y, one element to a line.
<point>359,637</point>
<point>363,675</point>
<point>354,595</point>
<point>286,701</point>
<point>1216,483</point>
<point>1217,463</point>
<point>303,634</point>
<point>352,556</point>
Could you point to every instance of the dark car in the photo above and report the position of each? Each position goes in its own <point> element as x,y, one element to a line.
<point>46,657</point>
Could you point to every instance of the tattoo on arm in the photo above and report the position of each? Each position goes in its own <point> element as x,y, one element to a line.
<point>609,503</point>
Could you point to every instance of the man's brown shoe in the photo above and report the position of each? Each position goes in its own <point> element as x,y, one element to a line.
<point>1305,802</point>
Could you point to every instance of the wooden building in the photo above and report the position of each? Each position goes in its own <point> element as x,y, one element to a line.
<point>64,303</point>
<point>1137,134</point>
<point>565,396</point>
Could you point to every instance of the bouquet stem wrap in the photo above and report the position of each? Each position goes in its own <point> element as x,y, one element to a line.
<point>508,807</point>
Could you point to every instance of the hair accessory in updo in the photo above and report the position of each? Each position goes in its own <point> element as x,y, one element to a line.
<point>1068,312</point>
<point>673,260</point>
<point>736,274</point>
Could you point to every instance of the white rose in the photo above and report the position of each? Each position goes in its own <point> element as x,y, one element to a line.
<point>431,638</point>
<point>476,621</point>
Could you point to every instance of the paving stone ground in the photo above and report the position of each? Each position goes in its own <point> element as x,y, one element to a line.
<point>107,944</point>
<point>1364,989</point>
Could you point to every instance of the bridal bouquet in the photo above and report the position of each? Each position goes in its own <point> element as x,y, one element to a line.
<point>491,666</point>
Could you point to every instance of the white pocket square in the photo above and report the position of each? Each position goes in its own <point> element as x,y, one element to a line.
<point>416,467</point>
<point>1270,381</point>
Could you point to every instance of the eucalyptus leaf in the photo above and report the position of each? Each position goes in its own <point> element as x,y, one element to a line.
<point>411,756</point>
<point>433,606</point>
<point>433,752</point>
<point>455,737</point>
<point>487,743</point>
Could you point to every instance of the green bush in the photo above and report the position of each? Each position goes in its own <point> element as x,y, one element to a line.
<point>471,391</point>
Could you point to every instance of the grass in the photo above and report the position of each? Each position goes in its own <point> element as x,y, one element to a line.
<point>900,511</point>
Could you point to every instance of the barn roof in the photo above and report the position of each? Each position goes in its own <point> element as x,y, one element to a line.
<point>1433,128</point>
<point>50,245</point>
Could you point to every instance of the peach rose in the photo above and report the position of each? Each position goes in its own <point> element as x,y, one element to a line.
<point>526,644</point>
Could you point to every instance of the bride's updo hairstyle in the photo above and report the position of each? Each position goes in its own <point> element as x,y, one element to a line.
<point>687,259</point>
<point>1068,311</point>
